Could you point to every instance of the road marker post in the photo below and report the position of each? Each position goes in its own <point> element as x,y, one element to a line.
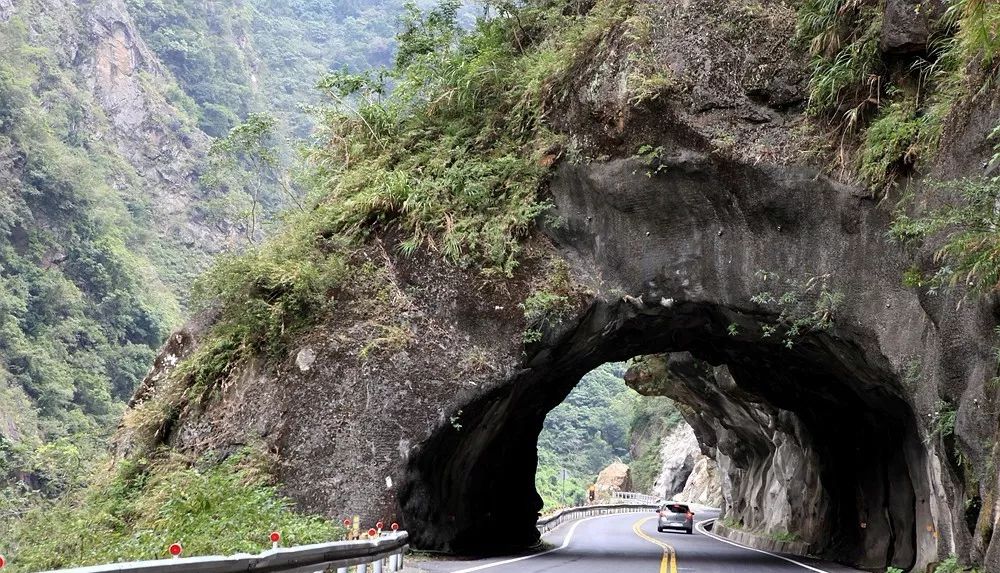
<point>275,538</point>
<point>2,562</point>
<point>175,550</point>
<point>347,526</point>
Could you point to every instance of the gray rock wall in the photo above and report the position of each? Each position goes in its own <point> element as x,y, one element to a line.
<point>678,452</point>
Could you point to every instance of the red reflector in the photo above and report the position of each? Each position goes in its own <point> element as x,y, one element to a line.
<point>176,549</point>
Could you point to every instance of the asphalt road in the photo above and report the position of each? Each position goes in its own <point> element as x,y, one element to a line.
<point>630,543</point>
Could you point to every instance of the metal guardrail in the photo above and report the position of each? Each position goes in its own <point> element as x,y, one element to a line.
<point>546,524</point>
<point>370,556</point>
<point>635,497</point>
<point>379,555</point>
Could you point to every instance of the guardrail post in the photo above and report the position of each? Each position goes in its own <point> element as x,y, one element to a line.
<point>341,569</point>
<point>363,568</point>
<point>378,566</point>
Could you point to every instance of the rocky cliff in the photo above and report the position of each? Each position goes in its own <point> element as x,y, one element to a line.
<point>157,139</point>
<point>841,405</point>
<point>678,453</point>
<point>102,230</point>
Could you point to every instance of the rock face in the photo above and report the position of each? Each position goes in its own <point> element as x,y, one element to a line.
<point>616,477</point>
<point>129,82</point>
<point>678,452</point>
<point>704,486</point>
<point>100,47</point>
<point>909,24</point>
<point>833,434</point>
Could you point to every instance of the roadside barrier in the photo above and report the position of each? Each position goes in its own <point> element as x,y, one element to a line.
<point>620,496</point>
<point>378,555</point>
<point>549,523</point>
<point>381,553</point>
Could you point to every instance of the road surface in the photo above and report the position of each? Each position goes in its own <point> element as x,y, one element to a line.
<point>629,543</point>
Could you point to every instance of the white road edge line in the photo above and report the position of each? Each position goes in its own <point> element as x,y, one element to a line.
<point>569,537</point>
<point>700,526</point>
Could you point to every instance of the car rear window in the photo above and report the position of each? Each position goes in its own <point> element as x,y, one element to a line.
<point>675,508</point>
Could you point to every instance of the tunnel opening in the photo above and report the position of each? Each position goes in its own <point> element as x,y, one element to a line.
<point>606,437</point>
<point>815,437</point>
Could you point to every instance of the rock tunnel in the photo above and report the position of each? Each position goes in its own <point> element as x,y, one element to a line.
<point>816,401</point>
<point>814,435</point>
<point>840,441</point>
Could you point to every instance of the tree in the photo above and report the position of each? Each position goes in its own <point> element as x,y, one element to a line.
<point>247,160</point>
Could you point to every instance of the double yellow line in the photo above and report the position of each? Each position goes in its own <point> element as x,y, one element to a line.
<point>669,561</point>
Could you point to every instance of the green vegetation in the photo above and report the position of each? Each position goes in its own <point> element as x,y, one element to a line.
<point>139,508</point>
<point>731,523</point>
<point>55,468</point>
<point>88,290</point>
<point>843,40</point>
<point>200,45</point>
<point>246,165</point>
<point>549,302</point>
<point>895,111</point>
<point>652,418</point>
<point>83,309</point>
<point>803,305</point>
<point>943,420</point>
<point>452,161</point>
<point>601,421</point>
<point>895,140</point>
<point>652,157</point>
<point>252,55</point>
<point>952,565</point>
<point>969,254</point>
<point>784,536</point>
<point>583,434</point>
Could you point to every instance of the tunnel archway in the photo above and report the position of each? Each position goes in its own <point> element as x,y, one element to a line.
<point>827,414</point>
<point>821,403</point>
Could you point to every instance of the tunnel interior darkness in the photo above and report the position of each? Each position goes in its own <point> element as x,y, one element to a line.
<point>471,489</point>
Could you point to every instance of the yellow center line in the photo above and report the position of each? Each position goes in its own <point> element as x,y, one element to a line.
<point>669,561</point>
